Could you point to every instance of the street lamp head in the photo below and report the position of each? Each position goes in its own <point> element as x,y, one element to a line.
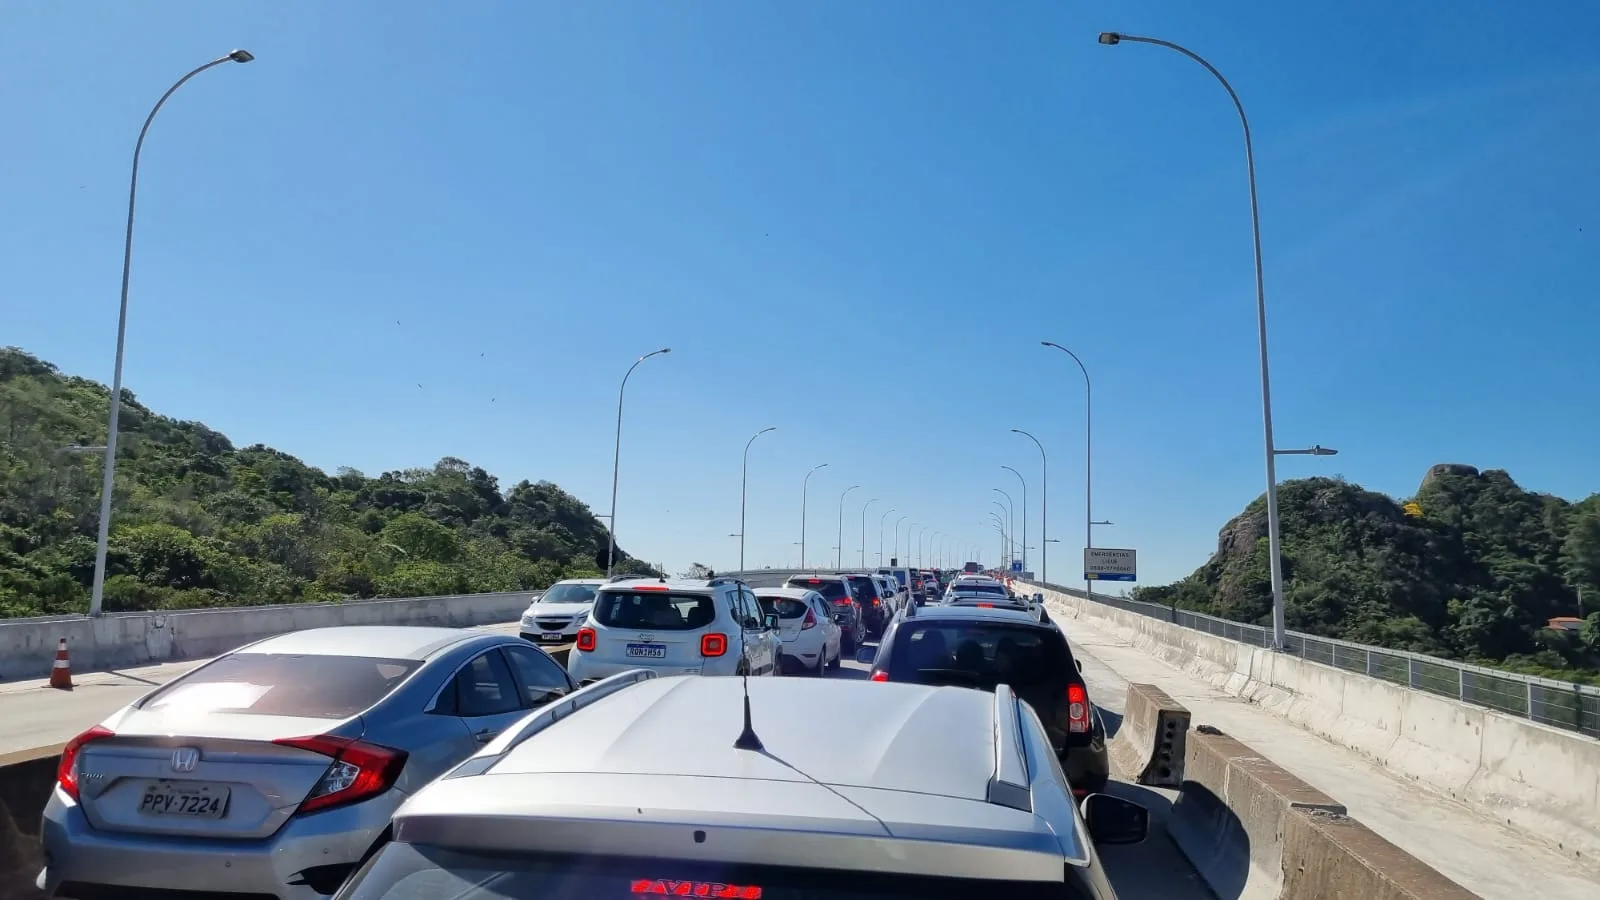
<point>665,350</point>
<point>1110,38</point>
<point>241,56</point>
<point>1320,450</point>
<point>767,429</point>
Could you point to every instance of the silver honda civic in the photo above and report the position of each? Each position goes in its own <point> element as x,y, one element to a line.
<point>273,770</point>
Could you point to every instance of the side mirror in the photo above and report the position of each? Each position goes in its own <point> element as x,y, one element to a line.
<point>866,655</point>
<point>1079,664</point>
<point>1113,820</point>
<point>770,622</point>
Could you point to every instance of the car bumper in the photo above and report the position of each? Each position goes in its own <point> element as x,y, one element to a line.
<point>531,631</point>
<point>305,860</point>
<point>582,667</point>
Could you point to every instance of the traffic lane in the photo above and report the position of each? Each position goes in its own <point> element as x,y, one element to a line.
<point>1155,868</point>
<point>39,719</point>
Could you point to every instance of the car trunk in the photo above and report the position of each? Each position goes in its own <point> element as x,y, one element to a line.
<point>216,776</point>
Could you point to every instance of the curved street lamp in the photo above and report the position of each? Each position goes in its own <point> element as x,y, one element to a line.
<point>838,550</point>
<point>898,522</point>
<point>805,487</point>
<point>616,459</point>
<point>882,520</point>
<point>1044,506</point>
<point>864,530</point>
<point>1088,453</point>
<point>109,468</point>
<point>1024,482</point>
<point>744,481</point>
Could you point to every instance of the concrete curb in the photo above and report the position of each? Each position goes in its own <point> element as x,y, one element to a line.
<point>1330,856</point>
<point>1150,744</point>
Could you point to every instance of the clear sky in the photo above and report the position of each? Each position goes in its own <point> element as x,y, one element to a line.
<point>419,229</point>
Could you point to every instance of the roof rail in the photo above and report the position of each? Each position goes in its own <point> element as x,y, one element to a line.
<point>485,759</point>
<point>1009,784</point>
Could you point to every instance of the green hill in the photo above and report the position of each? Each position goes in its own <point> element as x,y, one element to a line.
<point>200,523</point>
<point>1472,568</point>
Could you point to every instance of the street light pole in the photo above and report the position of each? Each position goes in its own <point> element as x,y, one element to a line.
<point>882,561</point>
<point>805,488</point>
<point>1274,539</point>
<point>1044,507</point>
<point>1024,516</point>
<point>109,468</point>
<point>616,459</point>
<point>838,550</point>
<point>744,481</point>
<point>1088,456</point>
<point>1011,526</point>
<point>916,542</point>
<point>897,524</point>
<point>864,530</point>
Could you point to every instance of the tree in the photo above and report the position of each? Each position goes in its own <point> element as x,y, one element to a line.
<point>697,572</point>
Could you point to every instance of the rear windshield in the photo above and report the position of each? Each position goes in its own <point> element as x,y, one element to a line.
<point>283,684</point>
<point>979,654</point>
<point>832,591</point>
<point>654,610</point>
<point>865,587</point>
<point>570,593</point>
<point>785,607</point>
<point>978,587</point>
<point>899,577</point>
<point>420,872</point>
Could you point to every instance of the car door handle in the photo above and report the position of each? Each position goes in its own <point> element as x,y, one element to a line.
<point>485,736</point>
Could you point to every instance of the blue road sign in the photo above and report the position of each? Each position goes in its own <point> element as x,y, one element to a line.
<point>1103,576</point>
<point>1016,565</point>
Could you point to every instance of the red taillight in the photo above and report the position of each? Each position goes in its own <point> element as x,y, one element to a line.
<point>810,621</point>
<point>651,587</point>
<point>876,601</point>
<point>814,581</point>
<point>880,675</point>
<point>358,770</point>
<point>1077,709</point>
<point>586,639</point>
<point>987,605</point>
<point>714,644</point>
<point>67,768</point>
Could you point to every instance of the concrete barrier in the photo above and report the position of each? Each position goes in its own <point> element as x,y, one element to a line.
<point>1332,856</point>
<point>1149,746</point>
<point>1541,780</point>
<point>123,640</point>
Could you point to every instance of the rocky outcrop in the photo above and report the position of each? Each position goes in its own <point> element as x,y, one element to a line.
<point>1441,470</point>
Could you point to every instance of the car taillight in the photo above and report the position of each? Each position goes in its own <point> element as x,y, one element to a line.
<point>810,622</point>
<point>358,771</point>
<point>875,601</point>
<point>880,675</point>
<point>1077,709</point>
<point>67,768</point>
<point>987,605</point>
<point>714,644</point>
<point>586,639</point>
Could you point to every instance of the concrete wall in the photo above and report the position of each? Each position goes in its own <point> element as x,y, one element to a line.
<point>1542,780</point>
<point>28,646</point>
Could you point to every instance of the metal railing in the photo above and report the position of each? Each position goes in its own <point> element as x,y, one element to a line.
<point>1561,704</point>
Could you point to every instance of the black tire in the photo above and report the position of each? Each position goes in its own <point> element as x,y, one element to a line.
<point>837,658</point>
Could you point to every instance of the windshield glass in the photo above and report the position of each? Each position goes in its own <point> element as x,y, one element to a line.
<point>410,872</point>
<point>968,587</point>
<point>570,593</point>
<point>831,590</point>
<point>273,684</point>
<point>981,654</point>
<point>785,607</point>
<point>654,610</point>
<point>866,588</point>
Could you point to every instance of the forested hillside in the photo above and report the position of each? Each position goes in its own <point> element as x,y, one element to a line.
<point>199,522</point>
<point>1473,567</point>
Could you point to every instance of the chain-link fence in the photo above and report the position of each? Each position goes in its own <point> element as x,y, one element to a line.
<point>1562,704</point>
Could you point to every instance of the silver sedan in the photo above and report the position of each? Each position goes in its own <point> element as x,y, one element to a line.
<point>273,770</point>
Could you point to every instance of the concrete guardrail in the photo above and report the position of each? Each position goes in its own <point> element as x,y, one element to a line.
<point>1149,747</point>
<point>1542,780</point>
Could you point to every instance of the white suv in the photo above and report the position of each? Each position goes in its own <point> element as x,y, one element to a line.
<point>713,627</point>
<point>558,613</point>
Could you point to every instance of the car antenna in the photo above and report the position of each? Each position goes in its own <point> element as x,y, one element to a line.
<point>747,740</point>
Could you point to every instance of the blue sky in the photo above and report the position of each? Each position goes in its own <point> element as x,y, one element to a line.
<point>851,219</point>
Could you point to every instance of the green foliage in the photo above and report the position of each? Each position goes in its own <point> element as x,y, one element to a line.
<point>1475,576</point>
<point>200,523</point>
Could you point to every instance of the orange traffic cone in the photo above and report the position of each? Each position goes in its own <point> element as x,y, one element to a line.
<point>61,671</point>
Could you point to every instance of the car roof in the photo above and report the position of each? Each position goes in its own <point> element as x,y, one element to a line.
<point>680,585</point>
<point>820,576</point>
<point>790,593</point>
<point>580,581</point>
<point>996,614</point>
<point>377,641</point>
<point>628,766</point>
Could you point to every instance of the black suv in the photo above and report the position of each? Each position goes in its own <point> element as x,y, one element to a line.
<point>874,613</point>
<point>841,595</point>
<point>979,647</point>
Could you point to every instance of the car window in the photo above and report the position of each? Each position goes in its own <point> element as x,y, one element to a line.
<point>654,610</point>
<point>831,590</point>
<point>785,607</point>
<point>570,593</point>
<point>865,588</point>
<point>750,610</point>
<point>542,679</point>
<point>484,687</point>
<point>283,684</point>
<point>980,654</point>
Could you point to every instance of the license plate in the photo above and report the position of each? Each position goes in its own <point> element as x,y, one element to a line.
<point>184,799</point>
<point>551,636</point>
<point>647,651</point>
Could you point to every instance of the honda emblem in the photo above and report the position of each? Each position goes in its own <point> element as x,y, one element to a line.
<point>184,759</point>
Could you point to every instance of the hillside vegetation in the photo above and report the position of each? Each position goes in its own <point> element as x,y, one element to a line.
<point>1472,568</point>
<point>198,522</point>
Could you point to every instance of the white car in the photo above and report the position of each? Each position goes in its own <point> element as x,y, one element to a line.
<point>679,627</point>
<point>557,613</point>
<point>805,623</point>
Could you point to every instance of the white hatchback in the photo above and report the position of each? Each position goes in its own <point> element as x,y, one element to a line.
<point>805,623</point>
<point>556,615</point>
<point>679,627</point>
